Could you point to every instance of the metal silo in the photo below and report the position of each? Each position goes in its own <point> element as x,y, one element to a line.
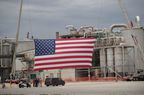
<point>110,61</point>
<point>6,51</point>
<point>103,61</point>
<point>128,65</point>
<point>118,60</point>
<point>135,37</point>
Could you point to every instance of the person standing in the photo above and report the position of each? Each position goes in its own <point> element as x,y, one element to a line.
<point>3,85</point>
<point>10,83</point>
<point>0,79</point>
<point>34,83</point>
<point>40,82</point>
<point>37,82</point>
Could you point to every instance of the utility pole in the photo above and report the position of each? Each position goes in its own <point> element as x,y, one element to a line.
<point>16,43</point>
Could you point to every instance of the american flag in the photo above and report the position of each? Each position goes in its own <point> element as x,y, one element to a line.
<point>63,53</point>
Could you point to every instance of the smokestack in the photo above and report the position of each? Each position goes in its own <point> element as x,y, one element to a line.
<point>27,35</point>
<point>137,21</point>
<point>57,35</point>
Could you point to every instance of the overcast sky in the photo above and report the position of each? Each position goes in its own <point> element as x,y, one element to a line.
<point>42,18</point>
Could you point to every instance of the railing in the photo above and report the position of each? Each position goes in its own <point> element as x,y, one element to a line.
<point>112,41</point>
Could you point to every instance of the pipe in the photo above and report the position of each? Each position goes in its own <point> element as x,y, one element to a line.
<point>118,25</point>
<point>1,52</point>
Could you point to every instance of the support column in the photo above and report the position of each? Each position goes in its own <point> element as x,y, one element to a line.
<point>89,73</point>
<point>123,60</point>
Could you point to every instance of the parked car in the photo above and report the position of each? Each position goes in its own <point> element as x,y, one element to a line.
<point>54,81</point>
<point>24,83</point>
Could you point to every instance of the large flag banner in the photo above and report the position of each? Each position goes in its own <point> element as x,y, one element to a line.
<point>63,53</point>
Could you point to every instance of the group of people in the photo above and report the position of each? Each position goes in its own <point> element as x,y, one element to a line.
<point>37,82</point>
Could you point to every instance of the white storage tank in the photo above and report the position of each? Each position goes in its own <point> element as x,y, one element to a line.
<point>128,66</point>
<point>110,61</point>
<point>6,51</point>
<point>118,60</point>
<point>122,64</point>
<point>103,61</point>
<point>135,37</point>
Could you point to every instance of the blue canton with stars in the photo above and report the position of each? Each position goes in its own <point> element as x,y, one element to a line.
<point>44,46</point>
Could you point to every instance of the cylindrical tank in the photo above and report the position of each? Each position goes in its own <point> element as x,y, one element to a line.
<point>110,61</point>
<point>103,61</point>
<point>6,51</point>
<point>118,60</point>
<point>135,37</point>
<point>128,66</point>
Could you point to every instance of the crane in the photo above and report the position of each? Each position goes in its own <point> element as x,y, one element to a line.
<point>16,43</point>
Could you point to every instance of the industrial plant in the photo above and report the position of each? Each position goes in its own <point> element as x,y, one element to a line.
<point>118,52</point>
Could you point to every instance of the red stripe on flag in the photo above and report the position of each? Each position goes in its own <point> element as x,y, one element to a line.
<point>71,52</point>
<point>69,47</point>
<point>63,43</point>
